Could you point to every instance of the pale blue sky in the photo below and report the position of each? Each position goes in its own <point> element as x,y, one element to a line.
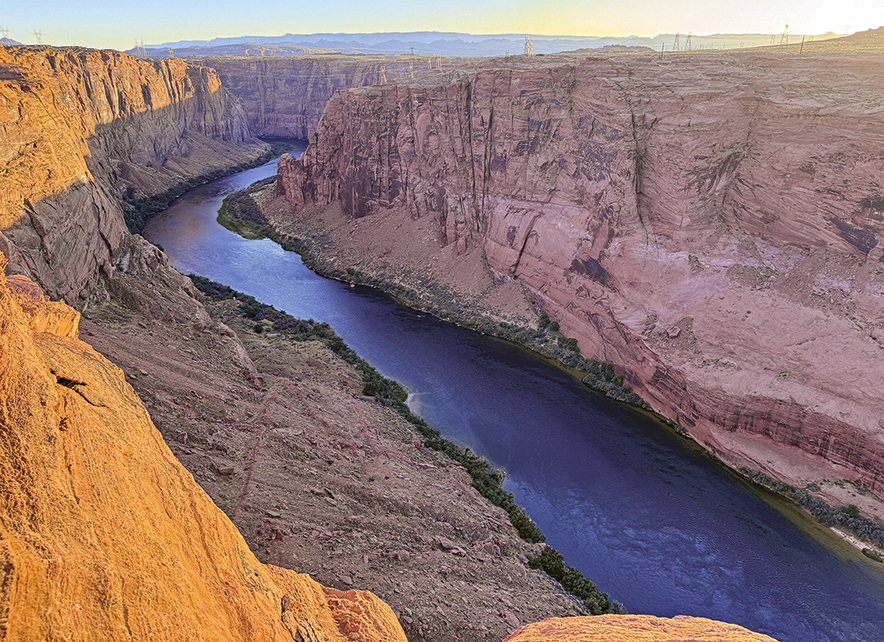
<point>118,23</point>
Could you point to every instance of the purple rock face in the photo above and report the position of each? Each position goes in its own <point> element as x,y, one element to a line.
<point>733,197</point>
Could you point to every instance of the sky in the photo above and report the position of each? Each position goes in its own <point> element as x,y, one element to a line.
<point>117,24</point>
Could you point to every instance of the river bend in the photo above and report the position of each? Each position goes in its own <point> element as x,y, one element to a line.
<point>650,518</point>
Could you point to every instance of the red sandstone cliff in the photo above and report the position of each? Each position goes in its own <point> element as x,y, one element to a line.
<point>283,97</point>
<point>103,534</point>
<point>79,129</point>
<point>708,223</point>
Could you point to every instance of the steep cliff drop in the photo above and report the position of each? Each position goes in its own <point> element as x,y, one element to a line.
<point>82,130</point>
<point>103,535</point>
<point>708,223</point>
<point>283,97</point>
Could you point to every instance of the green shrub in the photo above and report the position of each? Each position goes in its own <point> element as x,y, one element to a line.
<point>551,562</point>
<point>846,517</point>
<point>874,555</point>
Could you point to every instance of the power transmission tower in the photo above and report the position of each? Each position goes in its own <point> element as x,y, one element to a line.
<point>139,49</point>
<point>5,32</point>
<point>687,44</point>
<point>384,75</point>
<point>529,47</point>
<point>411,69</point>
<point>171,54</point>
<point>39,35</point>
<point>675,45</point>
<point>439,62</point>
<point>784,39</point>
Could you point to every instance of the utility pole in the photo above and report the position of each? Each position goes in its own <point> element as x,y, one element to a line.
<point>784,39</point>
<point>802,43</point>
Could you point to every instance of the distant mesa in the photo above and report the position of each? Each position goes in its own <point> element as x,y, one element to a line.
<point>439,43</point>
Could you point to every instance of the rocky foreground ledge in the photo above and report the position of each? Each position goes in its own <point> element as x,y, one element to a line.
<point>104,534</point>
<point>634,628</point>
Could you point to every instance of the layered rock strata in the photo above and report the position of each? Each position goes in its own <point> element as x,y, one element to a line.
<point>709,223</point>
<point>104,535</point>
<point>284,96</point>
<point>82,129</point>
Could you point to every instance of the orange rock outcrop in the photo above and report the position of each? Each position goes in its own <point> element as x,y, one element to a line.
<point>53,101</point>
<point>81,130</point>
<point>634,628</point>
<point>104,535</point>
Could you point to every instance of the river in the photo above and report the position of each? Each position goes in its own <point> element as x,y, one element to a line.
<point>649,517</point>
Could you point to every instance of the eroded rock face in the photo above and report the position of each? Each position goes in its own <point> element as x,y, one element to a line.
<point>710,224</point>
<point>284,96</point>
<point>82,129</point>
<point>103,535</point>
<point>634,628</point>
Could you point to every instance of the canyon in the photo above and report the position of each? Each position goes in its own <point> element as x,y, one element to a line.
<point>283,97</point>
<point>275,433</point>
<point>82,131</point>
<point>708,223</point>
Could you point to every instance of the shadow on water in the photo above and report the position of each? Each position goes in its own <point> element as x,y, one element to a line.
<point>650,518</point>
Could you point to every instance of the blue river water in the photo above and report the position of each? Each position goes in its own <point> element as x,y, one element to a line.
<point>650,518</point>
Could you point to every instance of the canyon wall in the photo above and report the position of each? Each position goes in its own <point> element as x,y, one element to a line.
<point>708,223</point>
<point>284,96</point>
<point>104,535</point>
<point>80,130</point>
